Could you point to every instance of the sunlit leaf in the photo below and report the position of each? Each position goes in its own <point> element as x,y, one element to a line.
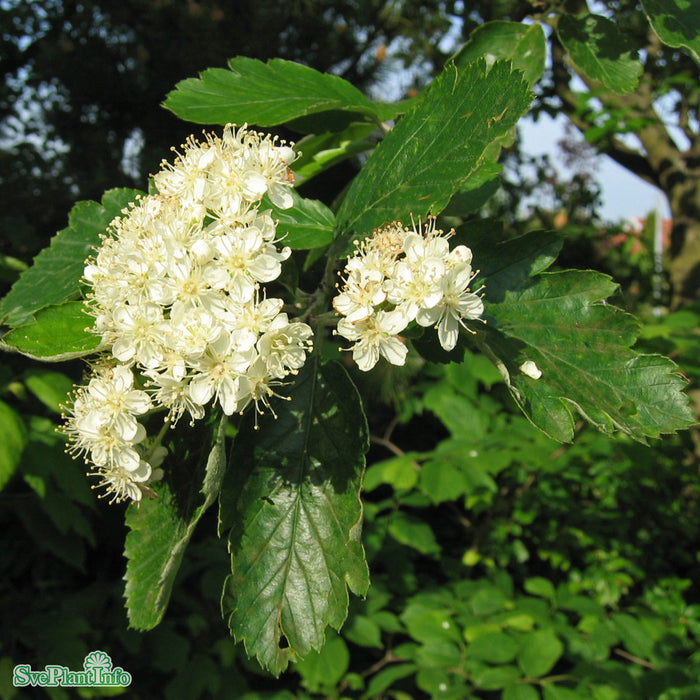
<point>291,499</point>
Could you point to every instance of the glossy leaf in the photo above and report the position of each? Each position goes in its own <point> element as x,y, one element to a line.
<point>56,272</point>
<point>523,44</point>
<point>437,147</point>
<point>600,51</point>
<point>291,500</point>
<point>57,333</point>
<point>160,530</point>
<point>677,23</point>
<point>264,94</point>
<point>562,323</point>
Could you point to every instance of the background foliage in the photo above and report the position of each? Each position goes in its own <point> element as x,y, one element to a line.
<point>503,564</point>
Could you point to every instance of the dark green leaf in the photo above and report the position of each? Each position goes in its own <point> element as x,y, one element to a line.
<point>524,44</point>
<point>677,22</point>
<point>600,51</point>
<point>56,272</point>
<point>581,345</point>
<point>57,333</point>
<point>540,652</point>
<point>292,500</point>
<point>264,94</point>
<point>437,147</point>
<point>159,532</point>
<point>14,438</point>
<point>307,224</point>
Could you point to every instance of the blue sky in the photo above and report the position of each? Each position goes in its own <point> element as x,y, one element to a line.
<point>624,194</point>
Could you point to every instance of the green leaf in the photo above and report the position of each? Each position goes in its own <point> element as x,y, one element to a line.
<point>323,151</point>
<point>265,94</point>
<point>412,532</point>
<point>291,499</point>
<point>494,648</point>
<point>50,387</point>
<point>677,23</point>
<point>160,530</point>
<point>14,438</point>
<point>307,224</point>
<point>520,691</point>
<point>323,669</point>
<point>57,333</point>
<point>494,678</point>
<point>600,51</point>
<point>560,322</point>
<point>56,272</point>
<point>539,653</point>
<point>437,147</point>
<point>541,587</point>
<point>523,44</point>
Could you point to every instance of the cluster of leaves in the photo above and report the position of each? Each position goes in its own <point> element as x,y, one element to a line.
<point>288,494</point>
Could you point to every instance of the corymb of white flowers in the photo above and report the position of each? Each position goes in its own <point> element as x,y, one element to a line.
<point>175,291</point>
<point>398,276</point>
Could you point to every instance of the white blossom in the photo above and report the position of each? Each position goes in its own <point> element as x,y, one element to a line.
<point>174,289</point>
<point>399,276</point>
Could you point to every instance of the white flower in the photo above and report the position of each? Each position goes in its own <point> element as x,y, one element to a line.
<point>402,275</point>
<point>457,304</point>
<point>174,289</point>
<point>530,369</point>
<point>374,337</point>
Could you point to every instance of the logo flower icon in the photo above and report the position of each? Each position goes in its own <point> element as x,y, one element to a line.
<point>98,659</point>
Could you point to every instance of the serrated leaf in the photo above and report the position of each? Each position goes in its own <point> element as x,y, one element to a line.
<point>55,273</point>
<point>523,44</point>
<point>291,499</point>
<point>307,224</point>
<point>265,94</point>
<point>581,345</point>
<point>160,530</point>
<point>435,149</point>
<point>57,333</point>
<point>677,23</point>
<point>600,51</point>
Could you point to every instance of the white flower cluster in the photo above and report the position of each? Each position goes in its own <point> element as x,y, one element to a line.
<point>175,293</point>
<point>400,275</point>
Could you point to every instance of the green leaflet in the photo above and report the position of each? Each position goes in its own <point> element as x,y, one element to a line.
<point>160,529</point>
<point>307,224</point>
<point>677,22</point>
<point>267,94</point>
<point>57,333</point>
<point>437,147</point>
<point>524,45</point>
<point>291,502</point>
<point>560,321</point>
<point>600,51</point>
<point>55,274</point>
